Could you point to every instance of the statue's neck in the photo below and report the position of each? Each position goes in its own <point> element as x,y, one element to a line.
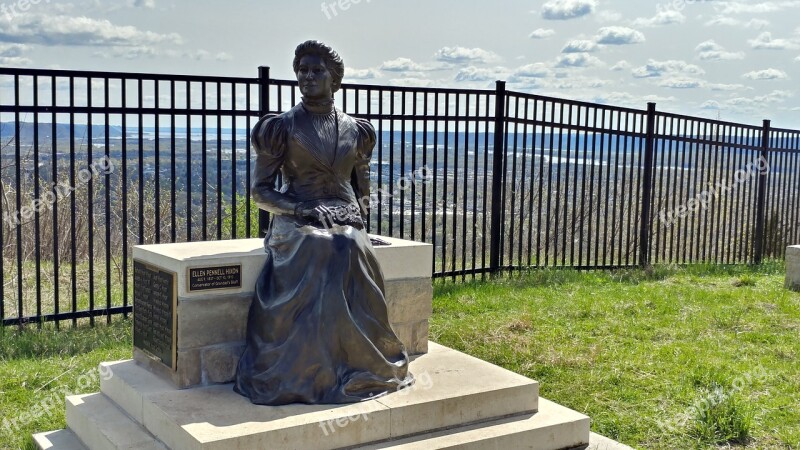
<point>316,106</point>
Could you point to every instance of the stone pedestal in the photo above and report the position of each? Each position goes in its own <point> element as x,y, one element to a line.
<point>793,267</point>
<point>210,324</point>
<point>457,402</point>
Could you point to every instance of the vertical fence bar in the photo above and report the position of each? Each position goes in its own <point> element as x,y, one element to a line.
<point>124,182</point>
<point>234,168</point>
<point>72,202</point>
<point>204,160</point>
<point>497,176</point>
<point>172,169</point>
<point>90,198</point>
<point>140,145</point>
<point>444,182</point>
<point>219,161</point>
<point>758,232</point>
<point>54,184</point>
<point>107,203</point>
<point>248,157</point>
<point>647,187</point>
<point>18,180</point>
<point>188,139</point>
<point>37,230</point>
<point>157,163</point>
<point>263,108</point>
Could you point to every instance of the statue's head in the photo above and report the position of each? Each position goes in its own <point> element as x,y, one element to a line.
<point>331,60</point>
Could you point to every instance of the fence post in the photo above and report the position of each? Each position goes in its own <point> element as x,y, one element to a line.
<point>497,177</point>
<point>761,205</point>
<point>263,109</point>
<point>647,187</point>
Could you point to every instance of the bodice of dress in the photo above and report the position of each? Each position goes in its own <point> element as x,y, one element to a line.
<point>320,155</point>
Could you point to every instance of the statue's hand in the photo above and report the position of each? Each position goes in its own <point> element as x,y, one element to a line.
<point>313,212</point>
<point>330,215</point>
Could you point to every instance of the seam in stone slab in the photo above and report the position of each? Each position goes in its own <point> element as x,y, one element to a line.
<point>442,429</point>
<point>244,296</point>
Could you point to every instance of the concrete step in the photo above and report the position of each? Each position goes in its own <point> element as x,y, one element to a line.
<point>58,440</point>
<point>554,427</point>
<point>100,425</point>
<point>453,390</point>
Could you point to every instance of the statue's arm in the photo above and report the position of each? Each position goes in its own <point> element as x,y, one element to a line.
<point>269,142</point>
<point>360,179</point>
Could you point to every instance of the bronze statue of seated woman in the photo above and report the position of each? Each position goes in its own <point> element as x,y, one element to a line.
<point>318,330</point>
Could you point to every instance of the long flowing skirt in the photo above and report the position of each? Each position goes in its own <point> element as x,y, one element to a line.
<point>318,330</point>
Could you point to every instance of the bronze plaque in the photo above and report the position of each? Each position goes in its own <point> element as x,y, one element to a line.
<point>154,306</point>
<point>212,278</point>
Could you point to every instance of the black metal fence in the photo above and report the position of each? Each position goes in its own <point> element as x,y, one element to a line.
<point>93,163</point>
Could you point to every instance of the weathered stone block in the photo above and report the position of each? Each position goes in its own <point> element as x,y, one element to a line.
<point>219,363</point>
<point>188,371</point>
<point>409,300</point>
<point>212,321</point>
<point>793,267</point>
<point>413,335</point>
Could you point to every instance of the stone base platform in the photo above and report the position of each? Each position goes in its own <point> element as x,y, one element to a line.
<point>458,402</point>
<point>793,267</point>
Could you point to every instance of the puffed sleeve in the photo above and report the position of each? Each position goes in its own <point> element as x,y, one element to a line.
<point>360,176</point>
<point>269,139</point>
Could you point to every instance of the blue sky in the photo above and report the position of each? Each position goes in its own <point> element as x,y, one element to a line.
<point>737,60</point>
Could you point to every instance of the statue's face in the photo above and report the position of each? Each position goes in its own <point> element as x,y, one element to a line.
<point>314,78</point>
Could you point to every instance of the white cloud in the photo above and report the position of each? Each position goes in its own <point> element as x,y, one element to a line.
<point>542,33</point>
<point>577,60</point>
<point>402,65</point>
<point>573,83</point>
<point>797,59</point>
<point>621,65</point>
<point>580,46</point>
<point>655,68</point>
<point>144,4</point>
<point>473,73</point>
<point>757,102</point>
<point>628,99</point>
<point>77,31</point>
<point>756,24</point>
<point>145,51</point>
<point>663,17</point>
<point>711,104</point>
<point>727,87</point>
<point>536,70</point>
<point>12,55</point>
<point>609,16</point>
<point>361,74</point>
<point>734,7</point>
<point>711,51</point>
<point>764,41</point>
<point>567,9</point>
<point>460,55</point>
<point>681,83</point>
<point>766,74</point>
<point>418,82</point>
<point>619,36</point>
<point>204,55</point>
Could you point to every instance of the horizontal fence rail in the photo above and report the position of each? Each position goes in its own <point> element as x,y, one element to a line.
<point>93,163</point>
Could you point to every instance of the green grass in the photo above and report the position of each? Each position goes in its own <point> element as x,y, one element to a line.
<point>38,366</point>
<point>702,357</point>
<point>669,358</point>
